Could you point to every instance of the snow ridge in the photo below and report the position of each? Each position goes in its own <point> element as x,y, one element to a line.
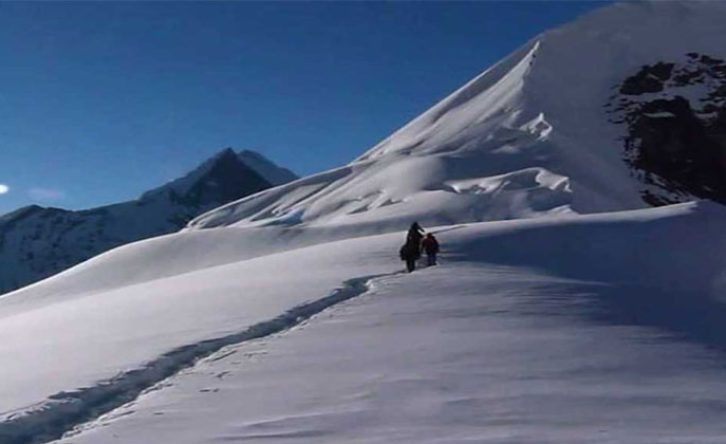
<point>65,411</point>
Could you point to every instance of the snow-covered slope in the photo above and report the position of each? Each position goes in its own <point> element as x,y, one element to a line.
<point>37,242</point>
<point>533,135</point>
<point>567,315</point>
<point>292,320</point>
<point>467,353</point>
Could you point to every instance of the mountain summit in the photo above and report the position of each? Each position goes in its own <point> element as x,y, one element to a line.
<point>36,242</point>
<point>562,125</point>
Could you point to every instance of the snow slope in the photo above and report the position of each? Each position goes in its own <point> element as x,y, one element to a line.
<point>578,298</point>
<point>465,353</point>
<point>285,315</point>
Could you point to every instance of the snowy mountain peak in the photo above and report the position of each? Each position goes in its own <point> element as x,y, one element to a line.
<point>36,242</point>
<point>532,136</point>
<point>223,171</point>
<point>272,173</point>
<point>484,103</point>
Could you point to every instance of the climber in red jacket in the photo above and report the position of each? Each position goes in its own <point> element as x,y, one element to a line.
<point>431,248</point>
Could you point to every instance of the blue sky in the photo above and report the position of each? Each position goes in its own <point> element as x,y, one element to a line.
<point>100,101</point>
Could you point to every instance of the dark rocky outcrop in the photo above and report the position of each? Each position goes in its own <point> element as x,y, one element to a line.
<point>649,79</point>
<point>675,119</point>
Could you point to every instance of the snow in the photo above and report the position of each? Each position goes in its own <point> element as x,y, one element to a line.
<point>660,115</point>
<point>618,260</point>
<point>563,311</point>
<point>531,328</point>
<point>97,340</point>
<point>408,363</point>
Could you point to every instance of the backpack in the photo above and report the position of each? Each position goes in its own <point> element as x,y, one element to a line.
<point>409,251</point>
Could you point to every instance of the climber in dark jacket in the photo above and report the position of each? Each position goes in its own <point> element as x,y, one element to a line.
<point>411,250</point>
<point>431,248</point>
<point>410,253</point>
<point>415,234</point>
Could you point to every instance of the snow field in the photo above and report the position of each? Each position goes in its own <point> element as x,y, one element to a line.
<point>620,261</point>
<point>106,333</point>
<point>66,410</point>
<point>460,353</point>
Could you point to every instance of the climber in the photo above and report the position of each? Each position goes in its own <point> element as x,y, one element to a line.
<point>410,253</point>
<point>415,234</point>
<point>431,248</point>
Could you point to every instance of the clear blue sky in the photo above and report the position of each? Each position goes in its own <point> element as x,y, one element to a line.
<point>101,101</point>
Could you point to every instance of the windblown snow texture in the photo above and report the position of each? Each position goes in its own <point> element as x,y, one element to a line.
<point>37,242</point>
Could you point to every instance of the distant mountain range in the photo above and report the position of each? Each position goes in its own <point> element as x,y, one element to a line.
<point>37,242</point>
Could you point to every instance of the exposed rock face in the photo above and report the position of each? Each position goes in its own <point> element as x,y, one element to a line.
<point>272,173</point>
<point>37,242</point>
<point>675,115</point>
<point>648,80</point>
